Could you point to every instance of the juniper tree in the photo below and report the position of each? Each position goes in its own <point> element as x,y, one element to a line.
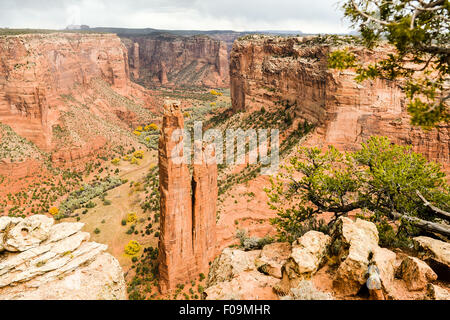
<point>386,182</point>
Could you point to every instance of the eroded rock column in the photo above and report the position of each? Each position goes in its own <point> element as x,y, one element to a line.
<point>204,204</point>
<point>176,257</point>
<point>188,207</point>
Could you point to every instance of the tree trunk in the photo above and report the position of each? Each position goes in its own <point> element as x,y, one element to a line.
<point>423,224</point>
<point>443,214</point>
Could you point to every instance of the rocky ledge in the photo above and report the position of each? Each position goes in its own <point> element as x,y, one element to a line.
<point>40,260</point>
<point>322,267</point>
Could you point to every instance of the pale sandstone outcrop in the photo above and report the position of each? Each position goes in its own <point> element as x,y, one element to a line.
<point>272,258</point>
<point>435,250</point>
<point>47,261</point>
<point>307,256</point>
<point>416,273</point>
<point>233,275</point>
<point>248,285</point>
<point>435,292</point>
<point>307,291</point>
<point>353,242</point>
<point>230,264</point>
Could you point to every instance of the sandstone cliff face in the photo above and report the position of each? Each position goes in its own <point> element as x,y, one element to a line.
<point>35,70</point>
<point>174,60</point>
<point>40,260</point>
<point>188,214</point>
<point>287,72</point>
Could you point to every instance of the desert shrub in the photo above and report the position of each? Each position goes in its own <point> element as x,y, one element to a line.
<point>137,133</point>
<point>132,248</point>
<point>97,231</point>
<point>115,161</point>
<point>81,197</point>
<point>135,161</point>
<point>252,243</point>
<point>124,222</point>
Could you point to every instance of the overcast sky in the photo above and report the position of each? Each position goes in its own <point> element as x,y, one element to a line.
<point>309,16</point>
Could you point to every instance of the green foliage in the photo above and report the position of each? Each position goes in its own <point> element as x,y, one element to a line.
<point>341,59</point>
<point>420,33</point>
<point>379,179</point>
<point>81,197</point>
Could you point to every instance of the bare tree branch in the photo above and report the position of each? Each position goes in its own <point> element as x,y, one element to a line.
<point>423,224</point>
<point>442,213</point>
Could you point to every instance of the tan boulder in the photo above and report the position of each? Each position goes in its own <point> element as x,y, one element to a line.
<point>230,264</point>
<point>272,258</point>
<point>307,256</point>
<point>46,261</point>
<point>307,291</point>
<point>416,273</point>
<point>249,285</point>
<point>435,252</point>
<point>352,243</point>
<point>28,233</point>
<point>435,292</point>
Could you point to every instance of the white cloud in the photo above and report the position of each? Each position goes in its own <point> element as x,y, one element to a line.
<point>305,15</point>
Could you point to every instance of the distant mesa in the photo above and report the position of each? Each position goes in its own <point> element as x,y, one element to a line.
<point>77,27</point>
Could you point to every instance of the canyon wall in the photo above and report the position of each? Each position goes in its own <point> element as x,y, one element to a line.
<point>170,60</point>
<point>293,73</point>
<point>188,209</point>
<point>35,70</point>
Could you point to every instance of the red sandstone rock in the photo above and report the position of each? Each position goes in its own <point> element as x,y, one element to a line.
<point>266,70</point>
<point>205,193</point>
<point>187,230</point>
<point>36,69</point>
<point>173,60</point>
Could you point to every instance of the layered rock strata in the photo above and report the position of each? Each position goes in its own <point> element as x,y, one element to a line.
<point>40,260</point>
<point>188,207</point>
<point>35,70</point>
<point>175,60</point>
<point>293,73</point>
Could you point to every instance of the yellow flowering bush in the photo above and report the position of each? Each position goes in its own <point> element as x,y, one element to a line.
<point>132,248</point>
<point>139,128</point>
<point>216,93</point>
<point>138,154</point>
<point>135,161</point>
<point>53,211</point>
<point>213,104</point>
<point>137,133</point>
<point>131,217</point>
<point>115,161</point>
